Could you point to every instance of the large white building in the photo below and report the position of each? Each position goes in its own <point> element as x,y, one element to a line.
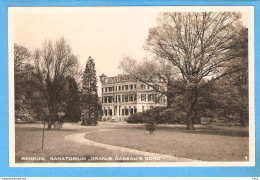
<point>123,96</point>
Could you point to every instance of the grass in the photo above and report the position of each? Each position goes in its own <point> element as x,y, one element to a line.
<point>28,139</point>
<point>223,144</point>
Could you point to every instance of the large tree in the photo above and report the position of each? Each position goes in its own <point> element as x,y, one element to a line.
<point>192,48</point>
<point>229,94</point>
<point>89,97</point>
<point>53,64</point>
<point>23,72</point>
<point>28,100</point>
<point>72,112</point>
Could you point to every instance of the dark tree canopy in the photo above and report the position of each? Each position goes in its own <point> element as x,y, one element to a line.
<point>89,97</point>
<point>22,74</point>
<point>53,64</point>
<point>89,82</point>
<point>72,112</point>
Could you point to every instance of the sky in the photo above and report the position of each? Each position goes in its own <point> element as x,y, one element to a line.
<point>107,34</point>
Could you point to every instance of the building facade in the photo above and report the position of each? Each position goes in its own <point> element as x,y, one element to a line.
<point>123,96</point>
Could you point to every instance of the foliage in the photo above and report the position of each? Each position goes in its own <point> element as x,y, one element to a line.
<point>72,112</point>
<point>150,124</point>
<point>53,64</point>
<point>89,96</point>
<point>136,118</point>
<point>191,48</point>
<point>21,75</point>
<point>227,98</point>
<point>161,115</point>
<point>27,98</point>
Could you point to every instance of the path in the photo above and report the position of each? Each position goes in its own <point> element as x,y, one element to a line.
<point>79,138</point>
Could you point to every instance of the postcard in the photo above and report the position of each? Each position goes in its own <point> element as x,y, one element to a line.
<point>140,86</point>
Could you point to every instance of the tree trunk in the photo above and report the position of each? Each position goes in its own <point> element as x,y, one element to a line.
<point>192,103</point>
<point>190,125</point>
<point>53,115</point>
<point>49,124</point>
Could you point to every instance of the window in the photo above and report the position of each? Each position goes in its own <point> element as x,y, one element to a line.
<point>134,97</point>
<point>110,112</point>
<point>131,86</point>
<point>123,87</point>
<point>126,98</point>
<point>126,87</point>
<point>109,99</point>
<point>134,86</point>
<point>105,99</point>
<point>150,97</point>
<point>131,97</point>
<point>135,110</point>
<point>143,97</point>
<point>105,112</point>
<point>119,88</point>
<point>131,111</point>
<point>119,100</point>
<point>126,112</point>
<point>123,98</point>
<point>156,99</point>
<point>142,86</point>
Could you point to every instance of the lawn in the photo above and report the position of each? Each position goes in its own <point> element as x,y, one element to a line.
<point>221,144</point>
<point>28,138</point>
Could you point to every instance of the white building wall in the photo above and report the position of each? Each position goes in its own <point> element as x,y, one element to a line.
<point>114,109</point>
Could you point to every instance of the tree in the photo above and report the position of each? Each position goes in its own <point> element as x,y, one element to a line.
<point>53,64</point>
<point>21,59</point>
<point>192,48</point>
<point>22,74</point>
<point>89,97</point>
<point>73,112</point>
<point>230,93</point>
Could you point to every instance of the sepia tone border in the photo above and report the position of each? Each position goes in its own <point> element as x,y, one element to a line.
<point>251,162</point>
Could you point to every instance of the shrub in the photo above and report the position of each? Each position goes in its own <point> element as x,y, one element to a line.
<point>172,116</point>
<point>137,118</point>
<point>150,124</point>
<point>161,115</point>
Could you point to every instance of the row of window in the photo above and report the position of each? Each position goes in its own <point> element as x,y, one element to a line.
<point>133,98</point>
<point>119,98</point>
<point>119,88</point>
<point>124,112</point>
<point>127,87</point>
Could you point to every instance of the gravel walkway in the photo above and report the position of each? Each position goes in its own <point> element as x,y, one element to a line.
<point>79,138</point>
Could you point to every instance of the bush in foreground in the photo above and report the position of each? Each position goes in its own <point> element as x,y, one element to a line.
<point>150,124</point>
<point>161,115</point>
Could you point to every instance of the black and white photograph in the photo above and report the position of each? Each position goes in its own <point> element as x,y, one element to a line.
<point>131,86</point>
